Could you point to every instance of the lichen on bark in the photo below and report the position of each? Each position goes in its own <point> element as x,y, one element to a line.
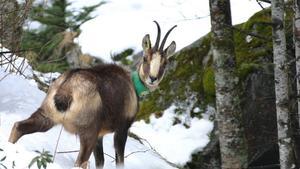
<point>281,85</point>
<point>231,133</point>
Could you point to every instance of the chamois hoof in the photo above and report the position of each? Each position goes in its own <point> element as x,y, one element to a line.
<point>84,165</point>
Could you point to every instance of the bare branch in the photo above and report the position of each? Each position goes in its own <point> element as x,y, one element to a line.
<point>155,151</point>
<point>259,3</point>
<point>76,151</point>
<point>252,34</point>
<point>189,19</point>
<point>4,76</point>
<point>266,1</point>
<point>134,152</point>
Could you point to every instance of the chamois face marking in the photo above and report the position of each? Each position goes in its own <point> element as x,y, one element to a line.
<point>152,68</point>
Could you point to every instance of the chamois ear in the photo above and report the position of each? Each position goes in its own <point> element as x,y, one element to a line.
<point>169,51</point>
<point>146,43</point>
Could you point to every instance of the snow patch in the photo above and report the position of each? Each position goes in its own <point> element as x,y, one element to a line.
<point>249,38</point>
<point>176,143</point>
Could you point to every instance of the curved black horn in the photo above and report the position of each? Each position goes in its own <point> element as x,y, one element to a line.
<point>155,48</point>
<point>165,39</point>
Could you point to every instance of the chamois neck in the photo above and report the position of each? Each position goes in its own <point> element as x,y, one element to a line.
<point>140,88</point>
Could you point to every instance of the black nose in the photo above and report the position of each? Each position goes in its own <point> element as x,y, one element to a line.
<point>153,78</point>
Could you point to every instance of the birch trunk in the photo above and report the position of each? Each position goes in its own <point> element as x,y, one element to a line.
<point>281,85</point>
<point>231,133</point>
<point>296,119</point>
<point>297,50</point>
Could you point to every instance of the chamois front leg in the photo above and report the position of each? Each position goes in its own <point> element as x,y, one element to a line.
<point>87,144</point>
<point>37,122</point>
<point>98,153</point>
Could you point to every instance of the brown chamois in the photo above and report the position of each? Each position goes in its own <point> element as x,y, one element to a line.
<point>95,101</point>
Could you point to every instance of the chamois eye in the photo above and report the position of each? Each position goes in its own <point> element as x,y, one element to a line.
<point>145,59</point>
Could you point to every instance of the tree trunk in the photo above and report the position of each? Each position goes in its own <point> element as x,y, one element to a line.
<point>281,86</point>
<point>231,133</point>
<point>297,48</point>
<point>296,118</point>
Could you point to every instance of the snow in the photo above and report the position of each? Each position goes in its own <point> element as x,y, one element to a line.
<point>122,24</point>
<point>19,97</point>
<point>174,142</point>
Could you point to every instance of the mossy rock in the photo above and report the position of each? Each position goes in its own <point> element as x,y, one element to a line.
<point>190,72</point>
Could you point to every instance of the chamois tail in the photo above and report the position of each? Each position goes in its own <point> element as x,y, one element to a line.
<point>62,101</point>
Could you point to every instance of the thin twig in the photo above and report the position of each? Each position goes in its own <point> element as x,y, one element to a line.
<point>17,51</point>
<point>4,76</point>
<point>11,61</point>
<point>57,142</point>
<point>76,151</point>
<point>58,139</point>
<point>251,34</point>
<point>190,19</point>
<point>266,1</point>
<point>259,3</point>
<point>156,152</point>
<point>134,152</point>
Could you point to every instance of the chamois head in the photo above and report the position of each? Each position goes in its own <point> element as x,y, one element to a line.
<point>152,68</point>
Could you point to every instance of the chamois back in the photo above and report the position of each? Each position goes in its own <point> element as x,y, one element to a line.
<point>101,95</point>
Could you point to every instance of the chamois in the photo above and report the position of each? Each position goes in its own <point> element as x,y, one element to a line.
<point>92,102</point>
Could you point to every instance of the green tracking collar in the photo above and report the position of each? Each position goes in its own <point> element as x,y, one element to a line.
<point>139,86</point>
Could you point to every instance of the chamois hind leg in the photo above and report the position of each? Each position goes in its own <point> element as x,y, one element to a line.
<point>98,153</point>
<point>88,141</point>
<point>120,138</point>
<point>37,122</point>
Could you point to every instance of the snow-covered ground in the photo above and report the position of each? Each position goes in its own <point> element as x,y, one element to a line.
<point>19,97</point>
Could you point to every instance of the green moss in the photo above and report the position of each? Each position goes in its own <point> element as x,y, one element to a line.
<point>256,47</point>
<point>247,68</point>
<point>209,82</point>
